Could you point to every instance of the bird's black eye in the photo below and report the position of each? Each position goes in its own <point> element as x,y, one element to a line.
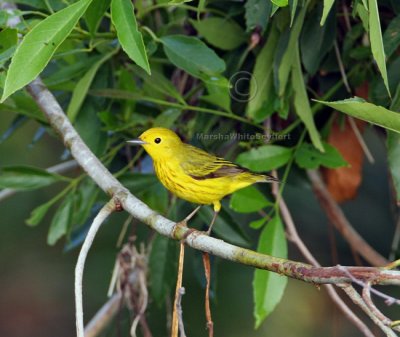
<point>157,140</point>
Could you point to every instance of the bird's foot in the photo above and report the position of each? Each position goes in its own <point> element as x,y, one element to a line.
<point>182,225</point>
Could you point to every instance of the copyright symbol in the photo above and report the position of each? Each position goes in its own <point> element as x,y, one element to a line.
<point>240,84</point>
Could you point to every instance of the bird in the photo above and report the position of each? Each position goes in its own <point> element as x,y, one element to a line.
<point>193,174</point>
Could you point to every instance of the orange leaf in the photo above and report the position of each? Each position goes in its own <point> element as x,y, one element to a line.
<point>344,182</point>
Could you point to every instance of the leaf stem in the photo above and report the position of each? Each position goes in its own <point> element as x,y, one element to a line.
<point>151,33</point>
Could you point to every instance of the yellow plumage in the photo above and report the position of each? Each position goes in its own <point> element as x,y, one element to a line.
<point>191,173</point>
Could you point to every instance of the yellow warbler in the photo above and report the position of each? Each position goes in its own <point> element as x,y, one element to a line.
<point>193,174</point>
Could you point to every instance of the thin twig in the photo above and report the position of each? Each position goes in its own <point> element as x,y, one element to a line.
<point>114,278</point>
<point>207,270</point>
<point>80,265</point>
<point>104,316</point>
<point>361,141</point>
<point>175,314</point>
<point>366,295</point>
<point>179,311</point>
<point>389,300</point>
<point>337,217</point>
<point>346,16</point>
<point>145,296</point>
<point>123,231</point>
<point>357,299</point>
<point>341,67</point>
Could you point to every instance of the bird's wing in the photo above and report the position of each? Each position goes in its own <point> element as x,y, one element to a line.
<point>201,165</point>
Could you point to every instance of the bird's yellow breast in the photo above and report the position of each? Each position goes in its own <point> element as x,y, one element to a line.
<point>199,191</point>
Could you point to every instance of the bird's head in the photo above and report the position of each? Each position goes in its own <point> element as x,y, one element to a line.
<point>159,142</point>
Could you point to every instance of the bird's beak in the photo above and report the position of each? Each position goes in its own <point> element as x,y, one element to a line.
<point>137,141</point>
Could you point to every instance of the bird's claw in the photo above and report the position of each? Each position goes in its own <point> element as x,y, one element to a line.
<point>182,223</point>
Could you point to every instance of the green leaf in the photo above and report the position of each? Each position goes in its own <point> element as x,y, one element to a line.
<point>262,81</point>
<point>364,15</point>
<point>39,45</point>
<point>89,127</point>
<point>94,14</point>
<point>147,188</point>
<point>293,8</point>
<point>8,43</point>
<point>138,182</point>
<point>375,36</point>
<point>39,212</point>
<point>391,37</point>
<point>280,3</point>
<point>378,93</point>
<point>27,177</point>
<point>248,200</point>
<point>69,72</point>
<point>265,158</point>
<point>218,88</point>
<point>200,8</point>
<point>358,108</point>
<point>257,224</point>
<point>123,18</point>
<point>393,154</point>
<point>221,33</point>
<point>327,8</point>
<point>302,103</point>
<point>395,105</point>
<point>192,55</point>
<point>308,157</point>
<point>85,198</point>
<point>26,106</point>
<point>156,197</point>
<point>41,4</point>
<point>83,85</point>
<point>268,287</point>
<point>167,118</point>
<point>158,82</point>
<point>316,40</point>
<point>257,14</point>
<point>288,58</point>
<point>61,220</point>
<point>162,266</point>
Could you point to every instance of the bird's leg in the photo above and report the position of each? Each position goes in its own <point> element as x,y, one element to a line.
<point>212,222</point>
<point>184,221</point>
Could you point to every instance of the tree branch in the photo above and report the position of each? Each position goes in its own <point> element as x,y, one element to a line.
<point>97,222</point>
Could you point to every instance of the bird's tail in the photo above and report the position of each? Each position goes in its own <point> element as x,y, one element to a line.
<point>267,178</point>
